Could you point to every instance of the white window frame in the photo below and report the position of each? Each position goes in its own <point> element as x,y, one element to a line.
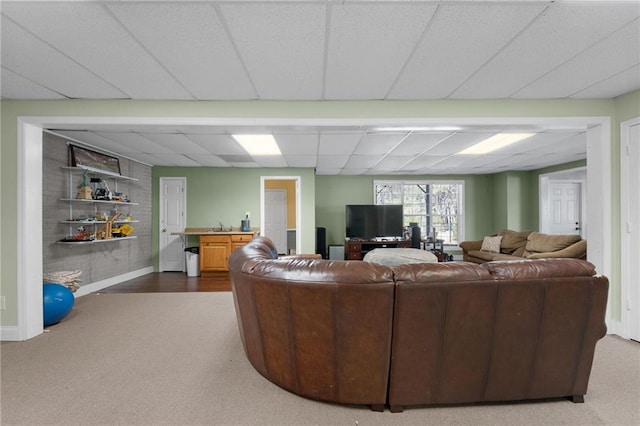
<point>461,183</point>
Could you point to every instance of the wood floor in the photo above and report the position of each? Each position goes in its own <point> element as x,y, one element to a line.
<point>172,282</point>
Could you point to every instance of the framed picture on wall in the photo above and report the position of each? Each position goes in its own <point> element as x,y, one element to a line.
<point>85,158</point>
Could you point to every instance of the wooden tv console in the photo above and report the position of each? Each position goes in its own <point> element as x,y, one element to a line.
<point>356,249</point>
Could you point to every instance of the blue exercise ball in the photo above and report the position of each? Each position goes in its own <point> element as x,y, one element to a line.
<point>57,302</point>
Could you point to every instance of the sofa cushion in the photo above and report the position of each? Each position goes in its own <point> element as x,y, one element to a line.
<point>482,255</point>
<point>491,244</point>
<point>512,241</point>
<point>543,243</point>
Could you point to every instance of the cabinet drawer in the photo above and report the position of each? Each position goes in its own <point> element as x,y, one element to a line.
<point>241,238</point>
<point>355,247</point>
<point>214,239</point>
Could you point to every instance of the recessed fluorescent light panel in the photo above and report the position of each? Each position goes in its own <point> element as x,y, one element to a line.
<point>495,142</point>
<point>258,144</point>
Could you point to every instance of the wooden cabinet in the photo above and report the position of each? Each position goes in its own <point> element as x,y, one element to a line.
<point>215,250</point>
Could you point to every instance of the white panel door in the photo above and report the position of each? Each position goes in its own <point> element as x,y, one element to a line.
<point>172,219</point>
<point>275,220</point>
<point>565,206</point>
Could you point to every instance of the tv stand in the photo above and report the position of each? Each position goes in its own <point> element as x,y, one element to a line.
<point>356,248</point>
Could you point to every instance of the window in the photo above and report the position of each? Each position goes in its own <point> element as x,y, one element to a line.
<point>433,205</point>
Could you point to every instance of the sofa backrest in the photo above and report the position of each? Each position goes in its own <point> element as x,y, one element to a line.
<point>318,328</point>
<point>521,330</point>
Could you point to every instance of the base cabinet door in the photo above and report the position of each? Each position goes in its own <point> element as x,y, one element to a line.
<point>214,253</point>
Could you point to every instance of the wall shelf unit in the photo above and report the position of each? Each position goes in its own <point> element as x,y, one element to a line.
<point>84,213</point>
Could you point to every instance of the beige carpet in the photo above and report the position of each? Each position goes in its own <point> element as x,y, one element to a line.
<point>176,358</point>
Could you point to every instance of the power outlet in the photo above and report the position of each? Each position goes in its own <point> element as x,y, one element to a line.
<point>3,303</point>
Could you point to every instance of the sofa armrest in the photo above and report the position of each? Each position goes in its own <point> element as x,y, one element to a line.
<point>576,251</point>
<point>468,246</point>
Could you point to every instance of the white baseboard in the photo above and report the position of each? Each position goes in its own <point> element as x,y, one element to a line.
<point>99,285</point>
<point>615,327</point>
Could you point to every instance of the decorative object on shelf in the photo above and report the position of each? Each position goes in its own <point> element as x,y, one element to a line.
<point>101,190</point>
<point>57,302</point>
<point>93,160</point>
<point>85,192</point>
<point>82,236</point>
<point>122,231</point>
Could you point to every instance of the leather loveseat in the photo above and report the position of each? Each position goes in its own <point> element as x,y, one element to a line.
<point>355,332</point>
<point>518,245</point>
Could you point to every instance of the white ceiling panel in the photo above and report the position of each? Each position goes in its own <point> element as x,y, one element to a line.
<point>170,140</point>
<point>558,34</point>
<point>37,61</point>
<point>473,33</point>
<point>367,37</point>
<point>134,142</point>
<point>95,39</point>
<point>457,142</point>
<point>282,46</point>
<point>417,143</point>
<point>622,82</point>
<point>94,139</point>
<point>191,42</point>
<point>339,143</point>
<point>208,160</point>
<point>379,142</point>
<point>425,161</point>
<point>297,144</point>
<point>621,49</point>
<point>15,86</point>
<point>362,161</point>
<point>220,144</point>
<point>394,162</point>
<point>306,161</point>
<point>175,160</point>
<point>270,161</point>
<point>332,161</point>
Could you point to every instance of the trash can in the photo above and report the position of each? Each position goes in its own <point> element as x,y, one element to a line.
<point>193,261</point>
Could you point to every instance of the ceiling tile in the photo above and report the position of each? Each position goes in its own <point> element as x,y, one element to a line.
<point>15,86</point>
<point>457,142</point>
<point>282,46</point>
<point>297,144</point>
<point>270,161</point>
<point>379,142</point>
<point>460,39</point>
<point>332,161</point>
<point>369,44</point>
<point>172,140</point>
<point>568,28</point>
<point>208,160</point>
<point>620,50</point>
<point>191,43</point>
<point>134,142</point>
<point>216,143</point>
<point>362,161</point>
<point>88,34</point>
<point>175,160</point>
<point>417,143</point>
<point>338,143</point>
<point>623,82</point>
<point>48,67</point>
<point>301,160</point>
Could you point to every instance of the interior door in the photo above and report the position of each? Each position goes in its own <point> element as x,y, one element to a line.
<point>172,219</point>
<point>275,221</point>
<point>565,205</point>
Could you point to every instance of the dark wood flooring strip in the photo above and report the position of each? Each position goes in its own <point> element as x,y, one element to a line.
<point>172,282</point>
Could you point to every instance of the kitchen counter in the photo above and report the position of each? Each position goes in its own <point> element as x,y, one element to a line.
<point>216,231</point>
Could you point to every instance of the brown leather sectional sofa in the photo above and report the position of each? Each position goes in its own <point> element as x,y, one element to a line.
<point>354,332</point>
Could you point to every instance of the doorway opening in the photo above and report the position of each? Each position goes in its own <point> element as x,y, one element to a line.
<point>280,207</point>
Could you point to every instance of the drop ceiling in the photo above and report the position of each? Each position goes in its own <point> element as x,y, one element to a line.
<point>324,50</point>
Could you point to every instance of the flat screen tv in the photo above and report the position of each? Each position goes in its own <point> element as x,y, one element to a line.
<point>372,221</point>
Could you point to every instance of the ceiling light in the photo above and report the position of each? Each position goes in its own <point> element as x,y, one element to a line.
<point>495,142</point>
<point>258,144</point>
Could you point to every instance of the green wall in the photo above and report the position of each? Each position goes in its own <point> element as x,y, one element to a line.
<point>217,194</point>
<point>618,110</point>
<point>334,192</point>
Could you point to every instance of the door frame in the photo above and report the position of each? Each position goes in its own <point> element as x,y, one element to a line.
<point>298,180</point>
<point>626,258</point>
<point>28,210</point>
<point>184,216</point>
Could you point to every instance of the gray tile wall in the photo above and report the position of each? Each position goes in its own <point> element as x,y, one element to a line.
<point>96,261</point>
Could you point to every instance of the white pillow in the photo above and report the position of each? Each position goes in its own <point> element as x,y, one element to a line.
<point>491,244</point>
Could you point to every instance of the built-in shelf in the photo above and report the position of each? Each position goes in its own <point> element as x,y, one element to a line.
<point>107,240</point>
<point>95,172</point>
<point>96,222</point>
<point>80,200</point>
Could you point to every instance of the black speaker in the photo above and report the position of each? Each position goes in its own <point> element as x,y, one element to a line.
<point>321,242</point>
<point>415,237</point>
